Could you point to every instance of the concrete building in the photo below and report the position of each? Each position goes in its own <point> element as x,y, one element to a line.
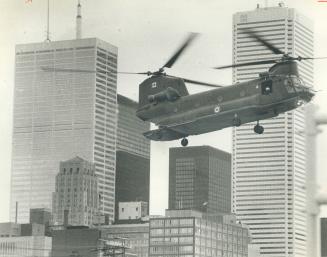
<point>200,179</point>
<point>323,237</point>
<point>192,233</point>
<point>76,192</point>
<point>76,241</point>
<point>61,114</point>
<point>269,171</point>
<point>136,237</point>
<point>132,156</point>
<point>132,210</point>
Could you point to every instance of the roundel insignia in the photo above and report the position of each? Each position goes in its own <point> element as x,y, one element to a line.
<point>217,109</point>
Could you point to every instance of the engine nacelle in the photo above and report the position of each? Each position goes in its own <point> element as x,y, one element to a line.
<point>169,94</point>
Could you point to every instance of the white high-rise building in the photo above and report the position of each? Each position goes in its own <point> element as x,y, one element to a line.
<point>62,114</point>
<point>269,170</point>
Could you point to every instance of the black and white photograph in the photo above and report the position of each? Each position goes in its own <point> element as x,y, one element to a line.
<point>147,128</point>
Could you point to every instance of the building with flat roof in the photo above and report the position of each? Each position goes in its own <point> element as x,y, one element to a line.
<point>76,241</point>
<point>192,233</point>
<point>132,210</point>
<point>135,236</point>
<point>76,192</point>
<point>58,114</point>
<point>200,179</point>
<point>270,190</point>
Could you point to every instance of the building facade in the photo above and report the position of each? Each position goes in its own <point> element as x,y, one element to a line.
<point>27,246</point>
<point>135,236</point>
<point>132,156</point>
<point>76,192</point>
<point>269,170</point>
<point>200,179</point>
<point>323,237</point>
<point>192,233</point>
<point>62,114</point>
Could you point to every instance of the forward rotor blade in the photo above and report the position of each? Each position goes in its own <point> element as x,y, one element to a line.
<point>180,50</point>
<point>300,58</point>
<point>246,64</point>
<point>270,46</point>
<point>200,83</point>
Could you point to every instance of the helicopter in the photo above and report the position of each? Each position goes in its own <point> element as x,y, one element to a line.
<point>165,101</point>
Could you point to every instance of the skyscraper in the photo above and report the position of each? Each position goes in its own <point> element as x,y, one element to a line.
<point>62,114</point>
<point>200,179</point>
<point>323,237</point>
<point>76,192</point>
<point>132,156</point>
<point>269,170</point>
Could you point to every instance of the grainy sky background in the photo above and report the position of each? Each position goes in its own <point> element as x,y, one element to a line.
<point>146,33</point>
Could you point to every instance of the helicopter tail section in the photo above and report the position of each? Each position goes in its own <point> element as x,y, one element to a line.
<point>163,134</point>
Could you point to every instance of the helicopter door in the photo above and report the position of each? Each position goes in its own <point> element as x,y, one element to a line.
<point>266,87</point>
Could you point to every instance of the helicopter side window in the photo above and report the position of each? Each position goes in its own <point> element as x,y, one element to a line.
<point>266,87</point>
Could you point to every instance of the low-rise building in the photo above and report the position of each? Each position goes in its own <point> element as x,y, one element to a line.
<point>135,237</point>
<point>191,233</point>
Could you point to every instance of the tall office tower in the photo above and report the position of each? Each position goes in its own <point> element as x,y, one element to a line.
<point>323,236</point>
<point>269,170</point>
<point>200,179</point>
<point>76,192</point>
<point>132,156</point>
<point>61,114</point>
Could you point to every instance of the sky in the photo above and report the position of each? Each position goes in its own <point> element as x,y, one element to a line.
<point>146,32</point>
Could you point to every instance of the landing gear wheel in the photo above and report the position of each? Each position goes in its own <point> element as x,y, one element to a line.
<point>258,129</point>
<point>184,142</point>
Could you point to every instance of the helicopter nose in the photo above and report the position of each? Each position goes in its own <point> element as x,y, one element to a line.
<point>307,94</point>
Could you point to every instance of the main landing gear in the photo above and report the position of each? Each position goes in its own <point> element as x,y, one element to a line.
<point>258,128</point>
<point>184,142</point>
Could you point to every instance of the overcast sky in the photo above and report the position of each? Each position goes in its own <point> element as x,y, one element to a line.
<point>146,33</point>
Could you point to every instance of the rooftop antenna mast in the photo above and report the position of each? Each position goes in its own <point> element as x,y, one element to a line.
<point>79,21</point>
<point>48,26</point>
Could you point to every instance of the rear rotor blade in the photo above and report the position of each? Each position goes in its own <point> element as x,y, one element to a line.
<point>271,47</point>
<point>180,50</point>
<point>246,64</point>
<point>300,58</point>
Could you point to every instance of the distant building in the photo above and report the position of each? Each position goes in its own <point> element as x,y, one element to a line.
<point>76,241</point>
<point>270,187</point>
<point>41,216</point>
<point>76,192</point>
<point>192,233</point>
<point>32,229</point>
<point>136,237</point>
<point>58,115</point>
<point>200,179</point>
<point>132,156</point>
<point>9,229</point>
<point>132,210</point>
<point>323,229</point>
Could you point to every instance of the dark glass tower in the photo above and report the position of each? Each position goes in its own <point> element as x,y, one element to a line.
<point>200,179</point>
<point>132,155</point>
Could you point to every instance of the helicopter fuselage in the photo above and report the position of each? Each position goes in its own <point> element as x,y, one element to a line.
<point>254,100</point>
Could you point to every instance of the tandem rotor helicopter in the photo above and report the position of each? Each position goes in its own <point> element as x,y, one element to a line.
<point>164,99</point>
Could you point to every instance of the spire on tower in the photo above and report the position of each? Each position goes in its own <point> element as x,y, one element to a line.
<point>79,21</point>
